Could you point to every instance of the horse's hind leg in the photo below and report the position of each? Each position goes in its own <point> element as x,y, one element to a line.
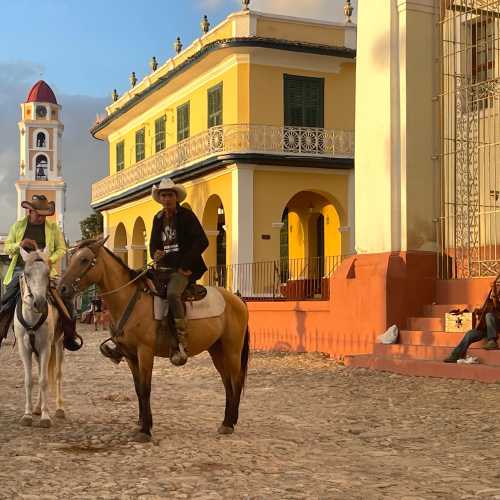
<point>43,381</point>
<point>145,360</point>
<point>228,366</point>
<point>134,368</point>
<point>27,418</point>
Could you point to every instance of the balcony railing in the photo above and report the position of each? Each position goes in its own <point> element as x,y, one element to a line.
<point>284,279</point>
<point>226,139</point>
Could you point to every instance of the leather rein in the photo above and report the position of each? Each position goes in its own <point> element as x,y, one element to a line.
<point>30,329</point>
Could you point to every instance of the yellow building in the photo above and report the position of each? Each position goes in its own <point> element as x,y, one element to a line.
<point>256,119</point>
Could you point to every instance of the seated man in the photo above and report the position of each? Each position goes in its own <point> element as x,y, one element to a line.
<point>176,244</point>
<point>35,232</point>
<point>488,330</point>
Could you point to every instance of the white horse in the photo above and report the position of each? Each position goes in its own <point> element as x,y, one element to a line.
<point>34,325</point>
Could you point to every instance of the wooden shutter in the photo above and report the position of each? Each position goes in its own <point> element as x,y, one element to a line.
<point>215,106</point>
<point>304,101</point>
<point>183,122</point>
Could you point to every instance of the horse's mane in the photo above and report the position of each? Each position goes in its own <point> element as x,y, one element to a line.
<point>86,243</point>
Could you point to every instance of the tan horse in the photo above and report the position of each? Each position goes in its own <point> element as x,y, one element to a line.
<point>225,337</point>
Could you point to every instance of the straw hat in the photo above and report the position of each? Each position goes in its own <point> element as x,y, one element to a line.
<point>168,184</point>
<point>40,205</point>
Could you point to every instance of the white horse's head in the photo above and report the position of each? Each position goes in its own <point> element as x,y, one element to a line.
<point>36,279</point>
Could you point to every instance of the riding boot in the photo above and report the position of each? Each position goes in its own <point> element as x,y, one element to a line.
<point>179,357</point>
<point>69,329</point>
<point>6,317</point>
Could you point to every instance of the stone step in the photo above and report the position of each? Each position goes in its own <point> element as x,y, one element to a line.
<point>425,323</point>
<point>438,339</point>
<point>412,367</point>
<point>432,353</point>
<point>439,310</point>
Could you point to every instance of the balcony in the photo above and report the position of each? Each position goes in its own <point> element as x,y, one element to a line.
<point>229,139</point>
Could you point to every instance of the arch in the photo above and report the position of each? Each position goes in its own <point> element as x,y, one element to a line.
<point>214,223</point>
<point>41,167</point>
<point>314,221</point>
<point>120,242</point>
<point>41,140</point>
<point>139,258</point>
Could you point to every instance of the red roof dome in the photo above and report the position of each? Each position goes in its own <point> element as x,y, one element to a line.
<point>41,92</point>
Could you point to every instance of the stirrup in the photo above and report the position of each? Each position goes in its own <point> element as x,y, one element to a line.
<point>114,354</point>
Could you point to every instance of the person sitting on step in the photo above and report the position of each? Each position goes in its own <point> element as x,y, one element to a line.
<point>487,327</point>
<point>31,233</point>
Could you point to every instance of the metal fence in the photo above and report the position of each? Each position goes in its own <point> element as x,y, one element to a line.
<point>284,279</point>
<point>468,228</point>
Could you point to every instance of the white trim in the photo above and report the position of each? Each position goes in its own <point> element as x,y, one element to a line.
<point>303,20</point>
<point>277,225</point>
<point>426,6</point>
<point>242,223</point>
<point>34,136</point>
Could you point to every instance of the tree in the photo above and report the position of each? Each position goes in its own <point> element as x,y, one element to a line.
<point>92,226</point>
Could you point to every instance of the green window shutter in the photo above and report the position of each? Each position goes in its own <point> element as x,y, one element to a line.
<point>183,122</point>
<point>304,101</point>
<point>160,141</point>
<point>120,156</point>
<point>140,145</point>
<point>215,106</point>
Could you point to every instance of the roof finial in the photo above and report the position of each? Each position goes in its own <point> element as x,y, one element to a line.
<point>245,4</point>
<point>114,95</point>
<point>133,79</point>
<point>348,10</point>
<point>204,25</point>
<point>153,64</point>
<point>178,45</point>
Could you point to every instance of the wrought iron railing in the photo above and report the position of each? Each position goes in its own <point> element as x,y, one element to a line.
<point>285,279</point>
<point>242,138</point>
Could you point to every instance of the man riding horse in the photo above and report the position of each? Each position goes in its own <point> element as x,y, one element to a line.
<point>176,244</point>
<point>31,233</point>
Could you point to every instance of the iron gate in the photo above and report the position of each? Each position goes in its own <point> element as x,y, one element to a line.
<point>469,225</point>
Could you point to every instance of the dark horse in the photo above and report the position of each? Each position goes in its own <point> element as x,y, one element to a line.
<point>225,337</point>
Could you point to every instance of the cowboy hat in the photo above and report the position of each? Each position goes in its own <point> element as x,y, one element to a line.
<point>40,205</point>
<point>168,184</point>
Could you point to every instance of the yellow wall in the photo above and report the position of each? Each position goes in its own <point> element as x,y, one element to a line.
<point>267,100</point>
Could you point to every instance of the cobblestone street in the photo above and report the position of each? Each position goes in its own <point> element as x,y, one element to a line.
<point>308,429</point>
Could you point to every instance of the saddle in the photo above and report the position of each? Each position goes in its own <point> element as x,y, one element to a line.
<point>157,282</point>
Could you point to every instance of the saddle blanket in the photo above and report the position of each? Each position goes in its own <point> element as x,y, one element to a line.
<point>211,306</point>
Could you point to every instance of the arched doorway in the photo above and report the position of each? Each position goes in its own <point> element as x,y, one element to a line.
<point>214,223</point>
<point>120,243</point>
<point>139,250</point>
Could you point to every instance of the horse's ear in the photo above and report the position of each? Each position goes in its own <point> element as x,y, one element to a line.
<point>45,253</point>
<point>24,253</point>
<point>98,244</point>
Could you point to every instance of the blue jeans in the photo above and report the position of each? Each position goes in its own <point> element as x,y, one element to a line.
<point>474,335</point>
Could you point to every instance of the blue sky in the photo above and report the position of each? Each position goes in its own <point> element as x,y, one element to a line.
<point>84,49</point>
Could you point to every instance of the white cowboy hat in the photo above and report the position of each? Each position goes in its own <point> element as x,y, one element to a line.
<point>168,184</point>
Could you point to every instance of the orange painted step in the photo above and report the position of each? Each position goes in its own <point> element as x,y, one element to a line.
<point>439,310</point>
<point>431,353</point>
<point>429,324</point>
<point>439,339</point>
<point>419,368</point>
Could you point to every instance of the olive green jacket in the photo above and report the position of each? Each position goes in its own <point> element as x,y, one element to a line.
<point>54,244</point>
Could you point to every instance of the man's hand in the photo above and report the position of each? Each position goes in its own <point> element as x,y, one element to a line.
<point>185,272</point>
<point>159,254</point>
<point>28,244</point>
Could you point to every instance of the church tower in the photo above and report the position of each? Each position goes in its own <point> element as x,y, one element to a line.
<point>40,166</point>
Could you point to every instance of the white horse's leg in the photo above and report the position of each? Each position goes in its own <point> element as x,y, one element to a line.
<point>43,381</point>
<point>25,354</point>
<point>59,353</point>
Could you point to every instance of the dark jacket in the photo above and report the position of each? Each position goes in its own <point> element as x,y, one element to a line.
<point>191,238</point>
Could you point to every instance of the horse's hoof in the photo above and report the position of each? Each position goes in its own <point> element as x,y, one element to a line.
<point>141,437</point>
<point>224,429</point>
<point>60,413</point>
<point>26,421</point>
<point>37,411</point>
<point>45,423</point>
<point>178,359</point>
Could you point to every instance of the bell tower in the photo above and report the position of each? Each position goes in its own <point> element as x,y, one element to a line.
<point>40,162</point>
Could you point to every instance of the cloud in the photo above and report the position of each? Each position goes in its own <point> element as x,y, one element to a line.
<point>84,159</point>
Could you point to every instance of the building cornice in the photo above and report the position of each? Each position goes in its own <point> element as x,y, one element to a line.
<point>252,42</point>
<point>221,162</point>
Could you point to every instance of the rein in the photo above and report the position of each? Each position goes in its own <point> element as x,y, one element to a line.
<point>30,329</point>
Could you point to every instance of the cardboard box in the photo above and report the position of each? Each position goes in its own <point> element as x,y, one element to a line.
<point>458,323</point>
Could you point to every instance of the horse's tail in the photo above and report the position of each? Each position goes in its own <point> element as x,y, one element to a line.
<point>245,355</point>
